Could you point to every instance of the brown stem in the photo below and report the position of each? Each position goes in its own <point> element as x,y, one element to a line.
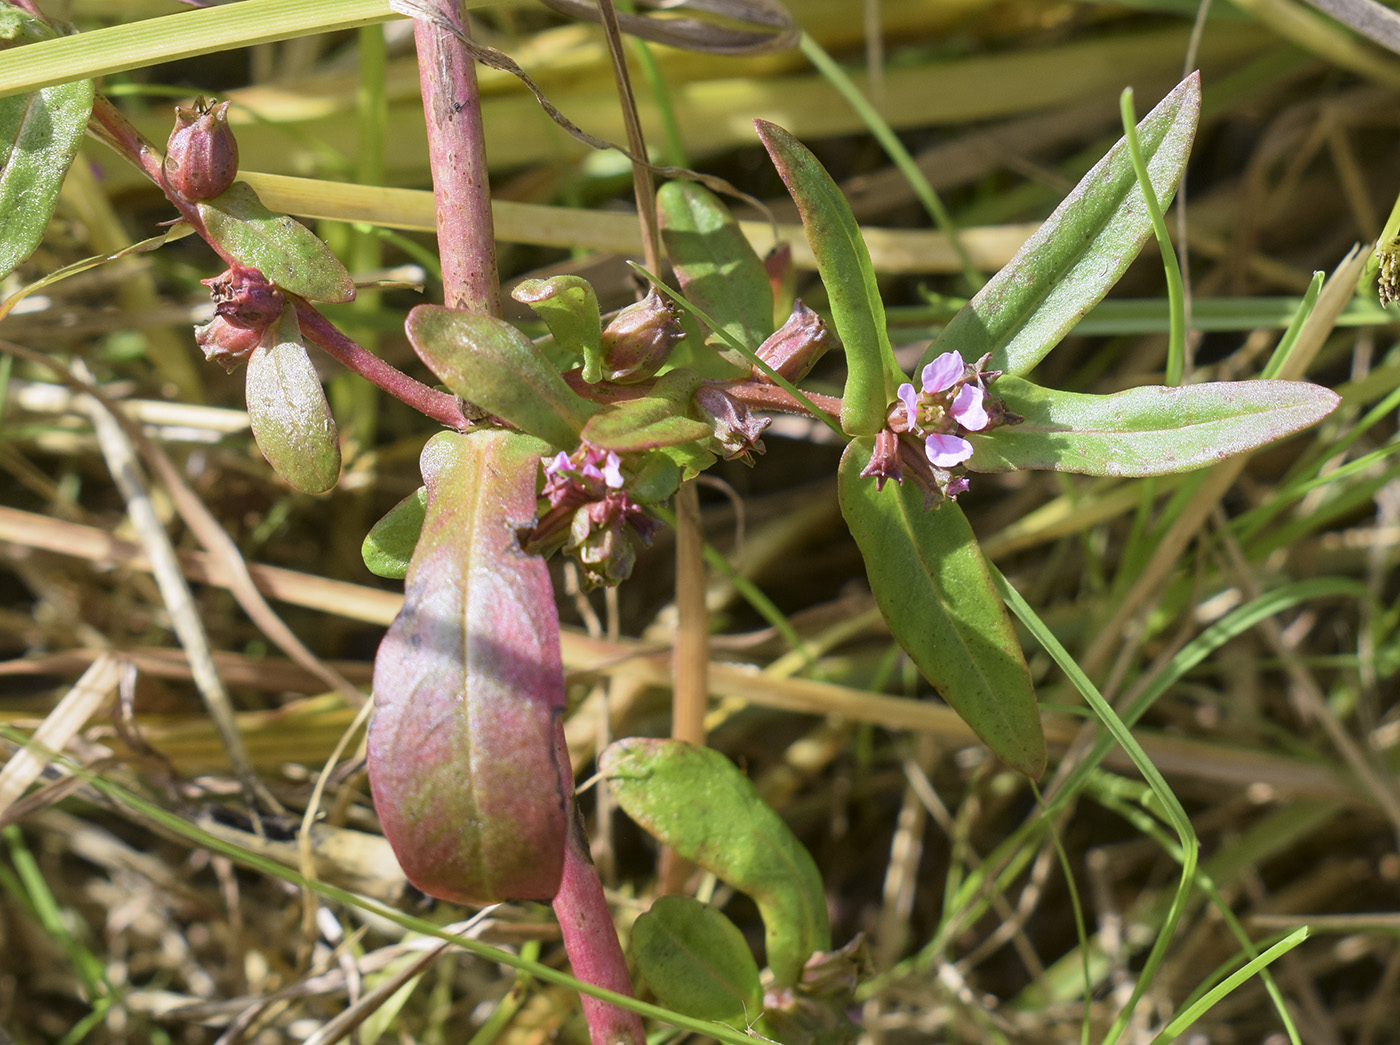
<point>636,142</point>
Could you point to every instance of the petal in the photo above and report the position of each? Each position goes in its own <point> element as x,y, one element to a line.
<point>612,471</point>
<point>911,405</point>
<point>940,375</point>
<point>556,464</point>
<point>945,451</point>
<point>968,410</point>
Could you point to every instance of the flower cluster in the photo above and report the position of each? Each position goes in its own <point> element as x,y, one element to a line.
<point>922,439</point>
<point>585,510</point>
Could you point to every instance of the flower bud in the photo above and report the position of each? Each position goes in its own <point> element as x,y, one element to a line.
<point>639,339</point>
<point>226,343</point>
<point>201,157</point>
<point>244,296</point>
<point>796,346</point>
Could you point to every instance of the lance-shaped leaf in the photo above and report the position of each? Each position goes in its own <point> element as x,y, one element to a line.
<point>935,592</point>
<point>872,375</point>
<point>569,308</point>
<point>1072,260</point>
<point>466,758</point>
<point>1151,430</point>
<point>696,960</point>
<point>288,412</point>
<point>281,248</point>
<point>488,362</point>
<point>39,136</point>
<point>652,421</point>
<point>714,262</point>
<point>696,801</point>
<point>388,547</point>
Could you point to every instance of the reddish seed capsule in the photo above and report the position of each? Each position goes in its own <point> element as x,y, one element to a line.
<point>796,345</point>
<point>244,296</point>
<point>639,340</point>
<point>226,343</point>
<point>201,158</point>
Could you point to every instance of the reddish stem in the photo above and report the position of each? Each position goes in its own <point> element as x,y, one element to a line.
<point>114,128</point>
<point>590,939</point>
<point>440,406</point>
<point>466,245</point>
<point>457,147</point>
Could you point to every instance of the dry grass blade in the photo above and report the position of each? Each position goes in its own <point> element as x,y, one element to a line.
<point>73,711</point>
<point>776,30</point>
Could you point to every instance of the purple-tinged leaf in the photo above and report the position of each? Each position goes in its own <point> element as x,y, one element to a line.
<point>470,776</point>
<point>281,248</point>
<point>858,314</point>
<point>288,412</point>
<point>936,594</point>
<point>1072,260</point>
<point>489,363</point>
<point>1151,430</point>
<point>697,802</point>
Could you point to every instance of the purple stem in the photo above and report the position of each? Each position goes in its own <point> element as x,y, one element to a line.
<point>440,406</point>
<point>466,245</point>
<point>116,130</point>
<point>457,148</point>
<point>590,939</point>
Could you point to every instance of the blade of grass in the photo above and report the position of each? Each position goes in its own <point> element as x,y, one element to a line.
<point>1194,1012</point>
<point>1176,344</point>
<point>1176,815</point>
<point>895,150</point>
<point>183,35</point>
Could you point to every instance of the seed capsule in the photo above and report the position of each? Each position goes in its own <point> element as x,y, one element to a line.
<point>201,157</point>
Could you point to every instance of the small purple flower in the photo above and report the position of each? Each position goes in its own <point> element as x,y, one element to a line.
<point>951,400</point>
<point>968,409</point>
<point>585,510</point>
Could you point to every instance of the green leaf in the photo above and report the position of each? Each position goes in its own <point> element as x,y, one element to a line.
<point>1151,430</point>
<point>933,587</point>
<point>488,362</point>
<point>1082,249</point>
<point>696,801</point>
<point>288,412</point>
<point>466,760</point>
<point>388,547</point>
<point>714,262</point>
<point>39,136</point>
<point>657,480</point>
<point>857,312</point>
<point>282,249</point>
<point>652,421</point>
<point>569,308</point>
<point>695,960</point>
<point>642,424</point>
